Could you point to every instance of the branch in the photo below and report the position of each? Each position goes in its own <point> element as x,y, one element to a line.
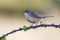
<point>42,25</point>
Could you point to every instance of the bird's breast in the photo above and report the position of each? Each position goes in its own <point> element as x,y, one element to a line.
<point>31,18</point>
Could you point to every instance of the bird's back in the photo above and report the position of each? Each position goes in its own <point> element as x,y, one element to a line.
<point>34,14</point>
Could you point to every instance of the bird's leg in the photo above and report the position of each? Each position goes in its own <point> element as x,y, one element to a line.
<point>32,24</point>
<point>40,22</point>
<point>36,23</point>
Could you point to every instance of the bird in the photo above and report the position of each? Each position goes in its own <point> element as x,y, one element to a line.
<point>33,17</point>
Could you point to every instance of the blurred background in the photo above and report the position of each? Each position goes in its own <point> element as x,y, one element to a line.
<point>12,17</point>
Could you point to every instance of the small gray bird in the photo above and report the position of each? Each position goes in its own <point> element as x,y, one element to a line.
<point>33,17</point>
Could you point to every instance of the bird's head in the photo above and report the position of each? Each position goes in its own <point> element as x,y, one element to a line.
<point>28,11</point>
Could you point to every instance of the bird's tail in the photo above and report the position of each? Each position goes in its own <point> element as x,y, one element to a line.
<point>47,16</point>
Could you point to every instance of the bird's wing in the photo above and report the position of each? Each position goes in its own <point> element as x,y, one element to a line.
<point>35,14</point>
<point>38,15</point>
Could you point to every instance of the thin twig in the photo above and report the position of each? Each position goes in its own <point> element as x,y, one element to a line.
<point>42,25</point>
